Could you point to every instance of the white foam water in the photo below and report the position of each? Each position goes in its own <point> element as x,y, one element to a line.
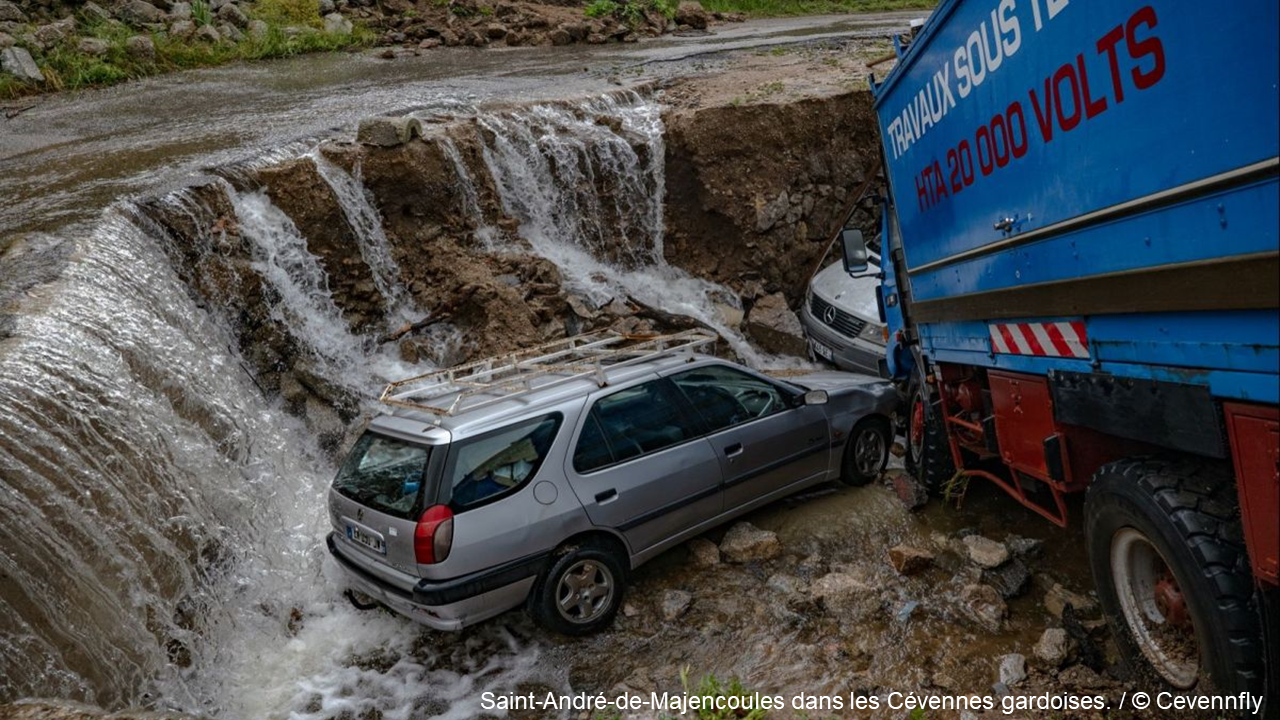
<point>366,222</point>
<point>549,163</point>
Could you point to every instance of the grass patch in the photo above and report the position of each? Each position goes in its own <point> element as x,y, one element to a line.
<point>67,68</point>
<point>710,687</point>
<point>631,12</point>
<point>775,8</point>
<point>305,13</point>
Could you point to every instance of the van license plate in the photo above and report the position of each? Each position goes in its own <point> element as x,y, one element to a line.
<point>355,534</point>
<point>822,351</point>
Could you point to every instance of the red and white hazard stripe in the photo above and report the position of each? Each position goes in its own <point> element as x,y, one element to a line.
<point>1048,339</point>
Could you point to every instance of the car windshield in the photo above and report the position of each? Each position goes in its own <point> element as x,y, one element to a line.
<point>383,474</point>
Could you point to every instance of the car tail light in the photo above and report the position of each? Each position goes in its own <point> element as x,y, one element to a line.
<point>433,538</point>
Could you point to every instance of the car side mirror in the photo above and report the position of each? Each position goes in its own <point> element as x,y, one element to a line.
<point>856,256</point>
<point>814,397</point>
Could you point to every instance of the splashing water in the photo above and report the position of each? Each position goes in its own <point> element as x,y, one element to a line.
<point>587,183</point>
<point>486,233</point>
<point>366,222</point>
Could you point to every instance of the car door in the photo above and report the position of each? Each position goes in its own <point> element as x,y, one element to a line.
<point>639,464</point>
<point>762,438</point>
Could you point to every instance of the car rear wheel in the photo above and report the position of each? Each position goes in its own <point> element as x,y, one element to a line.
<point>581,592</point>
<point>867,453</point>
<point>1172,575</point>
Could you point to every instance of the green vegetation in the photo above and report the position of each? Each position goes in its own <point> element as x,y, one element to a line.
<point>288,12</point>
<point>66,67</point>
<point>711,687</point>
<point>773,8</point>
<point>631,12</point>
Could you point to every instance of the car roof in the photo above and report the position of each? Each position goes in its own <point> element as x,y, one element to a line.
<point>421,425</point>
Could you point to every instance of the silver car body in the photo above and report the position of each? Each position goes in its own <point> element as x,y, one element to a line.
<point>646,504</point>
<point>842,320</point>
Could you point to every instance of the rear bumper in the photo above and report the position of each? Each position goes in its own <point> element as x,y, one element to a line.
<point>448,604</point>
<point>851,354</point>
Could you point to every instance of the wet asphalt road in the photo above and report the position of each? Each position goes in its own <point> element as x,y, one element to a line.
<point>73,154</point>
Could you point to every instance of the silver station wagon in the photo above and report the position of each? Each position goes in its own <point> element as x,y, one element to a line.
<point>542,478</point>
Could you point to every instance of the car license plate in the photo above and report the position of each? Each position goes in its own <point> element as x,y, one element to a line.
<point>822,351</point>
<point>355,534</point>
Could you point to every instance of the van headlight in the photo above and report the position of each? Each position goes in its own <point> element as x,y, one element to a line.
<point>873,333</point>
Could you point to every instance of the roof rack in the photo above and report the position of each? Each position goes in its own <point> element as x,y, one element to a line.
<point>511,375</point>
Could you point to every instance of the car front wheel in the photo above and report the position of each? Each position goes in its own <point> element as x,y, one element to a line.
<point>867,453</point>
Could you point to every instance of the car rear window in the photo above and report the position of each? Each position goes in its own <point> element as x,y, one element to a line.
<point>488,466</point>
<point>384,474</point>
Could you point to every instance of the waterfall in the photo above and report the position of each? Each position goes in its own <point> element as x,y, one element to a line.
<point>586,182</point>
<point>366,223</point>
<point>140,470</point>
<point>466,185</point>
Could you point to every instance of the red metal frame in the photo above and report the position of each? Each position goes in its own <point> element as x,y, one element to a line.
<point>1255,451</point>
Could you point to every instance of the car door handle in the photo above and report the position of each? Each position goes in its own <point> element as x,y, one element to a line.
<point>733,450</point>
<point>606,496</point>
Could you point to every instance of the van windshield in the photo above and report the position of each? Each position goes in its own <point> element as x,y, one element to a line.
<point>384,474</point>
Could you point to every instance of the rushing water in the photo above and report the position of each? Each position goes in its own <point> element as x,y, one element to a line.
<point>165,519</point>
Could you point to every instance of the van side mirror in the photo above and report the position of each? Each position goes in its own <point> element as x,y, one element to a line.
<point>856,256</point>
<point>814,397</point>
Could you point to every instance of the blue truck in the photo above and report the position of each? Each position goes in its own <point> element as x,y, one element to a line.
<point>1081,284</point>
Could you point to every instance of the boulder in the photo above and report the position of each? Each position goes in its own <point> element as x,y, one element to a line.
<point>230,32</point>
<point>1052,647</point>
<point>769,213</point>
<point>560,36</point>
<point>141,47</point>
<point>137,12</point>
<point>1058,597</point>
<point>703,553</point>
<point>910,491</point>
<point>326,7</point>
<point>909,560</point>
<point>10,12</point>
<point>208,34</point>
<point>985,552</point>
<point>1013,669</point>
<point>6,40</point>
<point>18,62</point>
<point>775,328</point>
<point>675,603</point>
<point>180,11</point>
<point>182,29</point>
<point>1011,578</point>
<point>747,543</point>
<point>1024,547</point>
<point>495,31</point>
<point>95,47</point>
<point>94,13</point>
<point>337,24</point>
<point>388,131</point>
<point>785,584</point>
<point>983,605</point>
<point>55,32</point>
<point>691,13</point>
<point>232,14</point>
<point>258,29</point>
<point>847,594</point>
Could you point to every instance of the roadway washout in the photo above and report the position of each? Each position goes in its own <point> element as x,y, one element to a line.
<point>249,320</point>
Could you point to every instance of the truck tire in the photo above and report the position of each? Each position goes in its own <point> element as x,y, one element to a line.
<point>928,452</point>
<point>580,593</point>
<point>1165,548</point>
<point>867,452</point>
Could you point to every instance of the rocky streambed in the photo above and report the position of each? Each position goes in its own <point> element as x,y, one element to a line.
<point>176,388</point>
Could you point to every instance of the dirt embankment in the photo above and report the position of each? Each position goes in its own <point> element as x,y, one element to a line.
<point>754,190</point>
